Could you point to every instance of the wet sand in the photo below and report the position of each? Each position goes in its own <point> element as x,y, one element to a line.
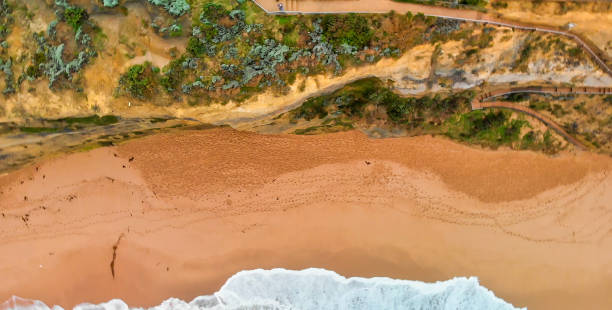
<point>182,212</point>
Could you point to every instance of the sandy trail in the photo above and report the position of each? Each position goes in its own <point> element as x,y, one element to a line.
<point>195,207</point>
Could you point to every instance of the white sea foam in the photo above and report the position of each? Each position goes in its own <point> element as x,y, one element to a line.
<point>318,289</point>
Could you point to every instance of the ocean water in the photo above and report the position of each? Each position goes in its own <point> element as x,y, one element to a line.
<point>317,289</point>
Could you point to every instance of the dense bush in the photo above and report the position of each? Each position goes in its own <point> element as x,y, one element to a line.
<point>351,29</point>
<point>324,50</point>
<point>526,51</point>
<point>75,16</point>
<point>173,75</point>
<point>56,59</point>
<point>52,64</point>
<point>480,3</point>
<point>575,52</point>
<point>450,115</point>
<point>489,128</point>
<point>263,59</point>
<point>6,64</point>
<point>6,67</point>
<point>138,81</point>
<point>6,20</point>
<point>353,99</point>
<point>212,13</point>
<point>248,57</point>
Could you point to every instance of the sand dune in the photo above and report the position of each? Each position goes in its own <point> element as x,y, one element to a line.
<point>182,212</point>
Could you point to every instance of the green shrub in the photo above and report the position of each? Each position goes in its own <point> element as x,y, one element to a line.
<point>138,81</point>
<point>479,3</point>
<point>174,73</point>
<point>176,30</point>
<point>490,128</point>
<point>525,54</point>
<point>313,107</point>
<point>351,29</point>
<point>196,47</point>
<point>174,7</point>
<point>75,16</point>
<point>353,98</point>
<point>540,106</point>
<point>212,13</point>
<point>471,52</point>
<point>575,52</point>
<point>528,140</point>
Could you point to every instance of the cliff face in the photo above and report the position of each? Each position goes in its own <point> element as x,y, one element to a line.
<point>510,57</point>
<point>473,55</point>
<point>64,64</point>
<point>590,19</point>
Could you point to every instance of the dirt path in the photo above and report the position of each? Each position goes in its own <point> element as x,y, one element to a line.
<point>481,103</point>
<point>384,6</point>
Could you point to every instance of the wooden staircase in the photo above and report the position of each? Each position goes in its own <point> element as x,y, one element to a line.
<point>480,102</point>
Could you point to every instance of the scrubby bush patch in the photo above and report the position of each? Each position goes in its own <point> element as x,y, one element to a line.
<point>449,115</point>
<point>352,29</point>
<point>174,7</point>
<point>53,58</point>
<point>6,62</point>
<point>75,16</point>
<point>6,68</point>
<point>139,81</point>
<point>412,111</point>
<point>232,56</point>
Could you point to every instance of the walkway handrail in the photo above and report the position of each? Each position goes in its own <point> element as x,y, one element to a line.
<point>575,37</point>
<point>479,103</point>
<point>550,123</point>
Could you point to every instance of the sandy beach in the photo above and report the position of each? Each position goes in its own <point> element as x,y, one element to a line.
<point>174,215</point>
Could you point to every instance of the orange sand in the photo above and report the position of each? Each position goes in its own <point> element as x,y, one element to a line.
<point>193,208</point>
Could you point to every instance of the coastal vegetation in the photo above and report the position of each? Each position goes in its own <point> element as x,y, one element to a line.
<point>69,124</point>
<point>234,51</point>
<point>6,62</point>
<point>138,80</point>
<point>174,7</point>
<point>51,54</point>
<point>466,4</point>
<point>171,57</point>
<point>83,133</point>
<point>370,103</point>
<point>587,117</point>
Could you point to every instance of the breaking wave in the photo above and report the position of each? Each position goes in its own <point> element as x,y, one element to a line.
<point>316,289</point>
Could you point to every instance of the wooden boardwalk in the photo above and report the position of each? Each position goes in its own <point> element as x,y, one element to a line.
<point>480,103</point>
<point>384,6</point>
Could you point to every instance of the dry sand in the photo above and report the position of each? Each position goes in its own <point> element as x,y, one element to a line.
<point>192,208</point>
